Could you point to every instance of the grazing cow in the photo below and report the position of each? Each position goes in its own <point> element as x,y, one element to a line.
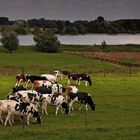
<point>41,83</point>
<point>15,98</point>
<point>54,88</point>
<point>58,74</point>
<point>69,90</point>
<point>20,78</point>
<point>12,107</point>
<point>78,78</point>
<point>17,88</point>
<point>32,78</point>
<point>55,100</point>
<point>44,90</point>
<point>57,88</point>
<point>29,96</point>
<point>65,72</point>
<point>82,98</point>
<point>50,77</point>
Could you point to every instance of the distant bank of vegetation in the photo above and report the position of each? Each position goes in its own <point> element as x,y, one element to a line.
<point>99,25</point>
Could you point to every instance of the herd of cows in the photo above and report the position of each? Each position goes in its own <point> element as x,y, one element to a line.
<point>25,101</point>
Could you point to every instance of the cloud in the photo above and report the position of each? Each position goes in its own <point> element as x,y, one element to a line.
<point>70,9</point>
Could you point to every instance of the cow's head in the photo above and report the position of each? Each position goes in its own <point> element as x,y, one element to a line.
<point>36,115</point>
<point>89,80</point>
<point>66,108</point>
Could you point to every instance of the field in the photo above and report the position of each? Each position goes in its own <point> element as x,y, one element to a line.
<point>117,114</point>
<point>120,58</point>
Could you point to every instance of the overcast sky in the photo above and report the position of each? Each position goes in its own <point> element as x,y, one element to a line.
<point>70,9</point>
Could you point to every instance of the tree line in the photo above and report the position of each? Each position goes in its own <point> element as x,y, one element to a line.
<point>99,25</point>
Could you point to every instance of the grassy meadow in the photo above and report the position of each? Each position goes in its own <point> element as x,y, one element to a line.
<point>117,114</point>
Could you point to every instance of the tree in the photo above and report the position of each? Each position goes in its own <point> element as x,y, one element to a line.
<point>46,41</point>
<point>10,41</point>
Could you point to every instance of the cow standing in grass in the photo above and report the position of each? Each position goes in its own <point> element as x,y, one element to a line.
<point>82,98</point>
<point>78,77</point>
<point>55,100</point>
<point>12,108</point>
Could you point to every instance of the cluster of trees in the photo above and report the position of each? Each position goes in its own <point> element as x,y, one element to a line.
<point>99,25</point>
<point>46,41</point>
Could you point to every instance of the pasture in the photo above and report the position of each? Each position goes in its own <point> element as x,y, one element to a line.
<point>117,114</point>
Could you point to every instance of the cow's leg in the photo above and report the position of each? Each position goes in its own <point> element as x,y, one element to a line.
<point>62,110</point>
<point>86,83</point>
<point>26,86</point>
<point>28,119</point>
<point>71,105</point>
<point>19,82</point>
<point>78,82</point>
<point>8,119</point>
<point>86,106</point>
<point>1,117</point>
<point>44,108</point>
<point>57,108</point>
<point>80,106</point>
<point>16,83</point>
<point>12,118</point>
<point>69,82</point>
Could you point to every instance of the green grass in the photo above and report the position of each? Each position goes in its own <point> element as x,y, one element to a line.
<point>116,117</point>
<point>37,63</point>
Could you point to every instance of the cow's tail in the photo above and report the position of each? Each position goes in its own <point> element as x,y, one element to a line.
<point>90,102</point>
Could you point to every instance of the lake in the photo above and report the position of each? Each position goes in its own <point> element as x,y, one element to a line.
<point>91,39</point>
<point>88,39</point>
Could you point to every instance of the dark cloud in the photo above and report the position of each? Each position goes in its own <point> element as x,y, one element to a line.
<point>70,9</point>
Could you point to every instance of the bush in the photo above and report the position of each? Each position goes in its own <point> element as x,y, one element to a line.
<point>10,41</point>
<point>46,41</point>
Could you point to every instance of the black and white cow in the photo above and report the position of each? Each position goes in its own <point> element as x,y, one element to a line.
<point>30,96</point>
<point>56,100</point>
<point>12,108</point>
<point>17,88</point>
<point>57,88</point>
<point>82,98</point>
<point>78,77</point>
<point>54,88</point>
<point>44,90</point>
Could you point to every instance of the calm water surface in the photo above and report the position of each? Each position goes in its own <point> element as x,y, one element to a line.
<point>92,39</point>
<point>88,39</point>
